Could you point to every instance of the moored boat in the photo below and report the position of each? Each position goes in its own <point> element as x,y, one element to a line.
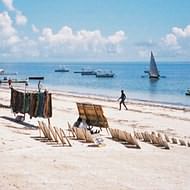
<point>104,74</point>
<point>2,71</point>
<point>153,70</point>
<point>88,72</point>
<point>187,92</point>
<point>5,80</point>
<point>62,69</point>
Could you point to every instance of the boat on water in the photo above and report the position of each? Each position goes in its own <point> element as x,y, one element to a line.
<point>77,72</point>
<point>6,80</point>
<point>62,69</point>
<point>153,70</point>
<point>104,74</point>
<point>187,92</point>
<point>2,72</point>
<point>88,72</point>
<point>6,77</point>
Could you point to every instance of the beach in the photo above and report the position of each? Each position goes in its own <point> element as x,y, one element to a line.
<point>27,163</point>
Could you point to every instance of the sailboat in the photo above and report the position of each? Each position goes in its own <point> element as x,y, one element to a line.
<point>188,92</point>
<point>153,70</point>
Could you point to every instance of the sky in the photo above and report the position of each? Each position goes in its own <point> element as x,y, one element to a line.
<point>94,30</point>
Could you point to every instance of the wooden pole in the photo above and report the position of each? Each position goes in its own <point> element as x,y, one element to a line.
<point>49,121</point>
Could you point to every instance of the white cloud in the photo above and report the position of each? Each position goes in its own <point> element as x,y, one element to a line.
<point>178,41</point>
<point>9,4</point>
<point>177,37</point>
<point>170,40</point>
<point>83,40</point>
<point>175,44</point>
<point>62,36</point>
<point>30,48</point>
<point>35,29</point>
<point>48,43</point>
<point>117,37</point>
<point>179,32</point>
<point>6,28</point>
<point>13,40</point>
<point>63,43</point>
<point>8,33</point>
<point>20,18</point>
<point>9,37</point>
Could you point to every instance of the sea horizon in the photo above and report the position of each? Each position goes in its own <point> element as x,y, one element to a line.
<point>127,77</point>
<point>97,62</point>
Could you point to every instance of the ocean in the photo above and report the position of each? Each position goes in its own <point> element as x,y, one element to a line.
<point>128,76</point>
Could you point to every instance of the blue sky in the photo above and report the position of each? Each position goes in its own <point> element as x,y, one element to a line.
<point>95,30</point>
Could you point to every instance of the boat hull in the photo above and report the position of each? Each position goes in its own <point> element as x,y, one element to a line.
<point>13,81</point>
<point>104,76</point>
<point>88,73</point>
<point>187,93</point>
<point>61,70</point>
<point>154,77</point>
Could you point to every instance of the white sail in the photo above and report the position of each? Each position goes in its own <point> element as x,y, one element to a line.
<point>153,72</point>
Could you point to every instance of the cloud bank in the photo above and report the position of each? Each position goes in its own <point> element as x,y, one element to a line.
<point>8,4</point>
<point>175,44</point>
<point>81,41</point>
<point>49,43</point>
<point>66,42</point>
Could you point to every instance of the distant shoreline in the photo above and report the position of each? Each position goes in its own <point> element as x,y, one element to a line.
<point>93,96</point>
<point>170,90</point>
<point>130,100</point>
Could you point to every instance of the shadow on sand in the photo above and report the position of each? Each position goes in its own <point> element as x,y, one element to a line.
<point>26,125</point>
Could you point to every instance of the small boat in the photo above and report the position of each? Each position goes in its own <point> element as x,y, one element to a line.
<point>5,80</point>
<point>153,70</point>
<point>187,92</point>
<point>2,72</point>
<point>104,74</point>
<point>77,72</point>
<point>88,72</point>
<point>62,69</point>
<point>146,71</point>
<point>6,74</point>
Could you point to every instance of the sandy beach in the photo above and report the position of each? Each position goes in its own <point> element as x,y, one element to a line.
<point>27,163</point>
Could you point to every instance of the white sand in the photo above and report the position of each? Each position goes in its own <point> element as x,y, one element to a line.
<point>29,164</point>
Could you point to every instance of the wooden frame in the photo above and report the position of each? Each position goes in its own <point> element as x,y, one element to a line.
<point>61,135</point>
<point>92,113</point>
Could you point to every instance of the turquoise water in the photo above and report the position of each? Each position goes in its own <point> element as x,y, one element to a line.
<point>128,77</point>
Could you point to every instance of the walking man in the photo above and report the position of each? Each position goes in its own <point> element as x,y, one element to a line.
<point>10,83</point>
<point>122,98</point>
